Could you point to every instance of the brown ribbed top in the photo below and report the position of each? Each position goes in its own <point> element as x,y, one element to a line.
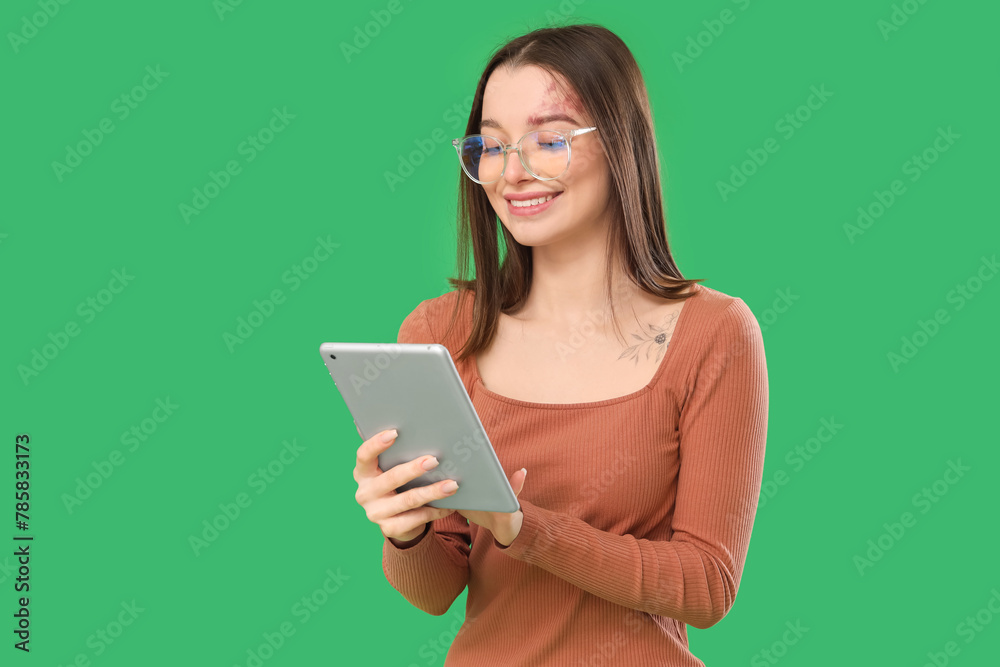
<point>637,509</point>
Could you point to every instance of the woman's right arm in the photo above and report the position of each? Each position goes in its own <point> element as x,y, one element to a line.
<point>432,570</point>
<point>428,565</point>
<point>426,549</point>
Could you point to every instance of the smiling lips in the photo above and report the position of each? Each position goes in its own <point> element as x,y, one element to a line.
<point>530,203</point>
<point>518,203</point>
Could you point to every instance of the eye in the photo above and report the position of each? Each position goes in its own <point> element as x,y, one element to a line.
<point>549,140</point>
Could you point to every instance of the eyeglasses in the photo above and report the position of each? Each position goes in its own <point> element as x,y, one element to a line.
<point>543,153</point>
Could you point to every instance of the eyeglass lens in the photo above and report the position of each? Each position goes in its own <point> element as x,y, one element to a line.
<point>545,153</point>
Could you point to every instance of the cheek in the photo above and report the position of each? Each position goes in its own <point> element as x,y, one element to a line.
<point>495,199</point>
<point>589,166</point>
<point>592,181</point>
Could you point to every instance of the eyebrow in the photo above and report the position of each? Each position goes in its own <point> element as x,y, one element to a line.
<point>533,121</point>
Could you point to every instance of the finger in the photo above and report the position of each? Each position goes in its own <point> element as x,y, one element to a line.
<point>367,460</point>
<point>517,481</point>
<point>392,505</point>
<point>407,521</point>
<point>398,475</point>
<point>440,513</point>
<point>421,495</point>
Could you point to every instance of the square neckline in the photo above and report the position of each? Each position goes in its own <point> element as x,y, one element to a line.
<point>480,386</point>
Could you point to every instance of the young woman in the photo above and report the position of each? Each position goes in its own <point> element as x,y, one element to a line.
<point>637,457</point>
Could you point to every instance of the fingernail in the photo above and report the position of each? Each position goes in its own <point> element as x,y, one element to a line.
<point>388,436</point>
<point>449,486</point>
<point>429,463</point>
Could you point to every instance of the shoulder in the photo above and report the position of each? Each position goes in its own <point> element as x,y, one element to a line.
<point>721,329</point>
<point>722,342</point>
<point>719,313</point>
<point>429,320</point>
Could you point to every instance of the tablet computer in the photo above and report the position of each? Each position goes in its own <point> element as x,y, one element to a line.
<point>416,389</point>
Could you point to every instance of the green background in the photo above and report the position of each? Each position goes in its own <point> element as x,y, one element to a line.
<point>356,117</point>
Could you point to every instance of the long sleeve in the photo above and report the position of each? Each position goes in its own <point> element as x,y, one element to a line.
<point>694,576</point>
<point>433,570</point>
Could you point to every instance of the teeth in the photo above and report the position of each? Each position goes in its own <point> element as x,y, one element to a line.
<point>516,203</point>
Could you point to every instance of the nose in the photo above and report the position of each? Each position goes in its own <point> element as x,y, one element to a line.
<point>515,171</point>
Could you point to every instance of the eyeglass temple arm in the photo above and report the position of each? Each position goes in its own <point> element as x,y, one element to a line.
<point>572,133</point>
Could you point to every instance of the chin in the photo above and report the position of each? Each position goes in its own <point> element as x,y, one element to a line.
<point>537,232</point>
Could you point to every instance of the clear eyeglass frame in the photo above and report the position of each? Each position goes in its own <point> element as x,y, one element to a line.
<point>569,134</point>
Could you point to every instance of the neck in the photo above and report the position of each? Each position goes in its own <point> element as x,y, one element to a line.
<point>568,284</point>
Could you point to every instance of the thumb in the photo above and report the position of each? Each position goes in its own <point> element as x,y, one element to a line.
<point>517,480</point>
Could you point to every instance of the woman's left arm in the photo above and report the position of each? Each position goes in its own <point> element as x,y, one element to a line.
<point>693,576</point>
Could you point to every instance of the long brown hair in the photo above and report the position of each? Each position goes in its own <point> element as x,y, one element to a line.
<point>606,78</point>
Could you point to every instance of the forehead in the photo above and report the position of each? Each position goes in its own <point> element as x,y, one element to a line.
<point>514,97</point>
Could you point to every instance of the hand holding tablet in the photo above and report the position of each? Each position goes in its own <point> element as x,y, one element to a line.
<point>416,390</point>
<point>401,516</point>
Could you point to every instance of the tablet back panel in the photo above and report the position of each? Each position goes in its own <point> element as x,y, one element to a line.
<point>416,389</point>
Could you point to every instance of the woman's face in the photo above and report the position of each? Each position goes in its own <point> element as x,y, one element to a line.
<point>528,98</point>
